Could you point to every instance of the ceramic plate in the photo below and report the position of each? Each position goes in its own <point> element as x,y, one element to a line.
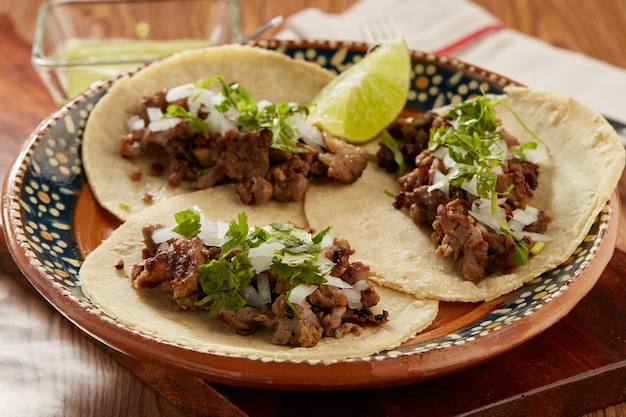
<point>52,221</point>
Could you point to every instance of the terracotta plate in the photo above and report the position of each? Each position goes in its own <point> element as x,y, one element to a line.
<point>52,221</point>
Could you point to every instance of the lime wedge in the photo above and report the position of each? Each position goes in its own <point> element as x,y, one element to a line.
<point>364,99</point>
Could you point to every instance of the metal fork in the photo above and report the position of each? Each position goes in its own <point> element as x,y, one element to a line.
<point>379,29</point>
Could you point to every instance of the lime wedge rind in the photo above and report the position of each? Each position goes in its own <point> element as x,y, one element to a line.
<point>365,98</point>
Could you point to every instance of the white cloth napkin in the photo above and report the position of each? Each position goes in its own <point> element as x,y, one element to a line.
<point>462,29</point>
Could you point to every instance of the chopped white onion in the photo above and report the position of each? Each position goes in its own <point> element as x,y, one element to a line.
<point>438,177</point>
<point>163,246</point>
<point>251,296</point>
<point>135,122</point>
<point>164,234</point>
<point>516,226</point>
<point>308,133</point>
<point>261,256</point>
<point>218,122</point>
<point>165,124</point>
<point>481,211</point>
<point>201,98</point>
<point>261,104</point>
<point>259,296</point>
<point>499,146</point>
<point>336,282</point>
<point>180,92</point>
<point>300,292</point>
<point>263,288</point>
<point>527,216</point>
<point>154,114</point>
<point>537,237</point>
<point>232,114</point>
<point>324,261</point>
<point>360,285</point>
<point>470,186</point>
<point>441,153</point>
<point>448,161</point>
<point>354,297</point>
<point>327,241</point>
<point>212,232</point>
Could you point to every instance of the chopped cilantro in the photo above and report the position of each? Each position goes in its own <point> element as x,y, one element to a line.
<point>296,261</point>
<point>275,117</point>
<point>398,157</point>
<point>318,237</point>
<point>196,124</point>
<point>520,256</point>
<point>240,238</point>
<point>188,223</point>
<point>537,248</point>
<point>221,280</point>
<point>474,142</point>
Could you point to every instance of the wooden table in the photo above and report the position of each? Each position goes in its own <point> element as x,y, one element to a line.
<point>575,367</point>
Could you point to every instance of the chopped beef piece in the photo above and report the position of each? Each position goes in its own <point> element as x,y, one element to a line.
<point>132,145</point>
<point>289,329</point>
<point>156,169</point>
<point>339,253</point>
<point>541,225</point>
<point>459,236</point>
<point>151,246</point>
<point>153,99</point>
<point>412,138</point>
<point>356,272</point>
<point>255,190</point>
<point>165,138</point>
<point>243,320</point>
<point>522,177</point>
<point>365,316</point>
<point>290,179</point>
<point>335,302</point>
<point>345,162</point>
<point>236,156</point>
<point>178,167</point>
<point>177,267</point>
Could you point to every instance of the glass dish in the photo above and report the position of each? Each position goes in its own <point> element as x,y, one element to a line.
<point>78,42</point>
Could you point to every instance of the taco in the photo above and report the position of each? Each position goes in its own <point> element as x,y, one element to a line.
<point>579,160</point>
<point>206,117</point>
<point>106,272</point>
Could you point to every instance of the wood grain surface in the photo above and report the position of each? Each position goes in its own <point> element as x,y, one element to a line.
<point>129,387</point>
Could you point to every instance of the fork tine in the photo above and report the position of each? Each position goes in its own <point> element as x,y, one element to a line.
<point>379,29</point>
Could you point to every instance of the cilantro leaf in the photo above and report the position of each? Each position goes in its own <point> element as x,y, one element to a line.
<point>521,253</point>
<point>195,124</point>
<point>221,280</point>
<point>240,238</point>
<point>318,237</point>
<point>519,150</point>
<point>188,223</point>
<point>398,157</point>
